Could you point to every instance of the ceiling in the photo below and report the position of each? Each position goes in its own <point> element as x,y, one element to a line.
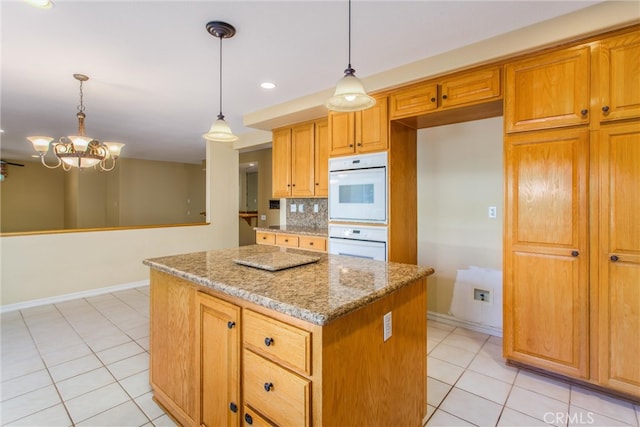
<point>153,67</point>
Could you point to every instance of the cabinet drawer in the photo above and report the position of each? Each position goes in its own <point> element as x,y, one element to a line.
<point>265,238</point>
<point>287,240</point>
<point>252,418</point>
<point>283,343</point>
<point>313,243</point>
<point>279,394</point>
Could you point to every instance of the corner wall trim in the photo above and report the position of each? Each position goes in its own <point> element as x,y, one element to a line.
<point>454,321</point>
<point>67,297</point>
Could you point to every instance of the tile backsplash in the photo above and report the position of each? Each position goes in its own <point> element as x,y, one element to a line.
<point>307,217</point>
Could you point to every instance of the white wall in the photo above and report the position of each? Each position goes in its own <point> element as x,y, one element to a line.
<point>459,176</point>
<point>50,265</point>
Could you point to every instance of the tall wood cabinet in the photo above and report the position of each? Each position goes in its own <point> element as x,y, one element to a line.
<point>300,160</point>
<point>572,197</point>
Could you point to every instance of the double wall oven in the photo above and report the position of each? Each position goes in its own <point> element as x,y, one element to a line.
<point>358,206</point>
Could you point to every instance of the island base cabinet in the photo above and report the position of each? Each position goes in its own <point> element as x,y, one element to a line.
<point>172,343</point>
<point>211,366</point>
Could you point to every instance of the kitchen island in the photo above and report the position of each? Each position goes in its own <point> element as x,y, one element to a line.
<point>336,341</point>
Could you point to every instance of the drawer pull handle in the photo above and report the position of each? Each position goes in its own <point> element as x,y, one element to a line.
<point>575,253</point>
<point>268,341</point>
<point>310,243</point>
<point>286,240</point>
<point>231,325</point>
<point>248,419</point>
<point>264,237</point>
<point>268,387</point>
<point>614,258</point>
<point>233,407</point>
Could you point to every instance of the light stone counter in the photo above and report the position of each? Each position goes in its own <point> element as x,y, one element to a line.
<point>317,293</point>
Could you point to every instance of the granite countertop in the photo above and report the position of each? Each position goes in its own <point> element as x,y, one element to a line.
<point>296,229</point>
<point>317,293</point>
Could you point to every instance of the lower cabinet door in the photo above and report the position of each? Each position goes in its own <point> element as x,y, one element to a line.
<point>219,347</point>
<point>276,392</point>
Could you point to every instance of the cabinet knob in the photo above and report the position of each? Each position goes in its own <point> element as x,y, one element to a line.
<point>575,253</point>
<point>350,145</point>
<point>444,96</point>
<point>268,387</point>
<point>288,185</point>
<point>359,144</point>
<point>233,407</point>
<point>605,108</point>
<point>433,100</point>
<point>293,185</point>
<point>286,240</point>
<point>248,419</point>
<point>614,258</point>
<point>584,112</point>
<point>268,341</point>
<point>317,183</point>
<point>231,325</point>
<point>264,237</point>
<point>310,243</point>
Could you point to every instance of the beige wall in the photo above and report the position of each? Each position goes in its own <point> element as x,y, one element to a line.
<point>263,158</point>
<point>459,176</point>
<point>32,194</point>
<point>49,265</point>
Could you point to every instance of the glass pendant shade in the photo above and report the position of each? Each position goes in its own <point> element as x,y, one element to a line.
<point>114,148</point>
<point>80,162</point>
<point>220,132</point>
<point>80,143</point>
<point>350,95</point>
<point>40,143</point>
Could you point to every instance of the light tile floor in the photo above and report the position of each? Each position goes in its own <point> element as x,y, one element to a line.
<point>85,362</point>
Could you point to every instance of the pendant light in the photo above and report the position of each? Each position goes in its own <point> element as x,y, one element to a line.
<point>350,94</point>
<point>220,130</point>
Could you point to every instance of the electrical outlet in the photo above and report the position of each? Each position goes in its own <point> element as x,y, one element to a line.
<point>387,326</point>
<point>481,295</point>
<point>300,207</point>
<point>315,207</point>
<point>493,212</point>
<point>263,217</point>
<point>293,207</point>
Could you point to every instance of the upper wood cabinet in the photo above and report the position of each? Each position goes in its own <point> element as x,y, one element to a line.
<point>321,167</point>
<point>548,91</point>
<point>454,91</point>
<point>300,160</point>
<point>361,131</point>
<point>617,76</point>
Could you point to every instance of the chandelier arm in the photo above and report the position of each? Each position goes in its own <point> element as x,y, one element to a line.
<point>50,167</point>
<point>101,167</point>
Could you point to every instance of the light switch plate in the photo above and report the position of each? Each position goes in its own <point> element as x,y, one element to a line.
<point>263,217</point>
<point>293,207</point>
<point>315,208</point>
<point>300,207</point>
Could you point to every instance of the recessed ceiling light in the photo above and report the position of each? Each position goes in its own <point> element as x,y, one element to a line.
<point>267,85</point>
<point>42,4</point>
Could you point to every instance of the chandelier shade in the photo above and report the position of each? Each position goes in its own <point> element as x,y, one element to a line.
<point>220,130</point>
<point>78,151</point>
<point>350,94</point>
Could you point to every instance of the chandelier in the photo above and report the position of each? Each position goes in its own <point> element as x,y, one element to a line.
<point>78,151</point>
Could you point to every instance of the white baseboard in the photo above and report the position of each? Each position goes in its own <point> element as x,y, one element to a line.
<point>454,321</point>
<point>67,297</point>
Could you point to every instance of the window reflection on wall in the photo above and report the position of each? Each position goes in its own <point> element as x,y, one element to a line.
<point>136,193</point>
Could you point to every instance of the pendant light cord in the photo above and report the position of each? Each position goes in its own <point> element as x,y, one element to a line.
<point>349,35</point>
<point>220,116</point>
